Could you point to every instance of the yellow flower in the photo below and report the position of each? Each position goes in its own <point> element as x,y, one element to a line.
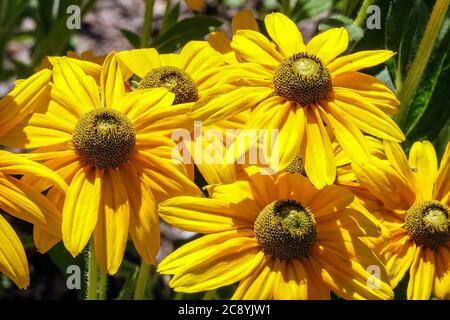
<point>278,237</point>
<point>195,5</point>
<point>308,93</point>
<point>108,145</point>
<point>21,201</point>
<point>196,71</point>
<point>415,200</point>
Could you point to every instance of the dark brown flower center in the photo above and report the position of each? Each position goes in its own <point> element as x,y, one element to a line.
<point>302,78</point>
<point>428,223</point>
<point>286,229</point>
<point>104,138</point>
<point>175,80</point>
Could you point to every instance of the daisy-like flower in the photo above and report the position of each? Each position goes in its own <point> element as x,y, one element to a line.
<point>309,93</point>
<point>413,203</point>
<point>108,145</point>
<point>23,202</point>
<point>192,76</point>
<point>278,237</point>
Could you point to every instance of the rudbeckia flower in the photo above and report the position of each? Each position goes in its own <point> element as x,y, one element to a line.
<point>108,145</point>
<point>278,237</point>
<point>413,203</point>
<point>23,202</point>
<point>192,75</point>
<point>309,93</point>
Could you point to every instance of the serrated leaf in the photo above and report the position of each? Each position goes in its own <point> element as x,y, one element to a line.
<point>132,37</point>
<point>195,28</point>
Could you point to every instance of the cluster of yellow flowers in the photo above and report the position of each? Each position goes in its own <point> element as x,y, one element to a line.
<point>342,209</point>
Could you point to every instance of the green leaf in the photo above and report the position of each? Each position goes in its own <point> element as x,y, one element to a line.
<point>195,28</point>
<point>405,24</point>
<point>130,283</point>
<point>428,113</point>
<point>133,38</point>
<point>304,9</point>
<point>171,17</point>
<point>442,140</point>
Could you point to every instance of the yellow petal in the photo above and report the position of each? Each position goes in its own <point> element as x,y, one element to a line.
<point>397,158</point>
<point>442,188</point>
<point>139,61</point>
<point>73,88</point>
<point>399,255</point>
<point>79,220</point>
<point>194,250</point>
<point>441,288</point>
<point>198,57</point>
<point>243,20</point>
<point>203,215</point>
<point>219,41</point>
<point>317,289</point>
<point>359,60</point>
<point>13,261</point>
<point>421,275</point>
<point>292,282</point>
<point>289,138</point>
<point>345,269</point>
<point>43,240</point>
<point>348,134</point>
<point>370,88</point>
<point>329,200</point>
<point>259,285</point>
<point>320,165</point>
<point>148,105</point>
<point>111,232</point>
<point>423,160</point>
<point>15,164</point>
<point>195,5</point>
<point>165,176</point>
<point>367,116</point>
<point>25,203</point>
<point>219,266</point>
<point>252,46</point>
<point>112,83</point>
<point>284,32</point>
<point>328,44</point>
<point>23,100</point>
<point>385,183</point>
<point>144,220</point>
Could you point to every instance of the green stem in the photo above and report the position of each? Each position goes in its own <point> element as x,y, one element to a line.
<point>103,285</point>
<point>141,285</point>
<point>92,276</point>
<point>148,22</point>
<point>420,61</point>
<point>362,13</point>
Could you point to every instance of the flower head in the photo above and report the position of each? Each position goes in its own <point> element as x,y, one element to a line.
<point>278,237</point>
<point>413,203</point>
<point>109,145</point>
<point>309,93</point>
